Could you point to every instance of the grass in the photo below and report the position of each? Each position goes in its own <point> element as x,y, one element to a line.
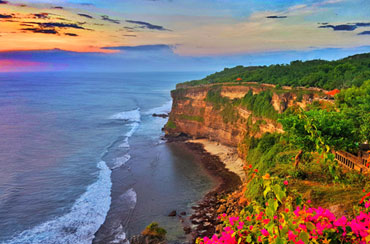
<point>170,125</point>
<point>192,118</point>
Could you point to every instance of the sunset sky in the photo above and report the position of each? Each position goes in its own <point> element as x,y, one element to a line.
<point>115,35</point>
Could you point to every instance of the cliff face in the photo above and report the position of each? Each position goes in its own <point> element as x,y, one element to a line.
<point>228,123</point>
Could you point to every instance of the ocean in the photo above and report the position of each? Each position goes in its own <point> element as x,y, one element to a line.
<point>82,159</point>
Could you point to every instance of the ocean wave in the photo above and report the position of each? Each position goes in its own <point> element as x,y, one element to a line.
<point>120,236</point>
<point>164,109</point>
<point>121,161</point>
<point>88,213</point>
<point>131,115</point>
<point>129,199</point>
<point>134,127</point>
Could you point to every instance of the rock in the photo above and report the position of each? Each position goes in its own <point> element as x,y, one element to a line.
<point>187,230</point>
<point>172,214</point>
<point>160,115</point>
<point>183,213</point>
<point>206,224</point>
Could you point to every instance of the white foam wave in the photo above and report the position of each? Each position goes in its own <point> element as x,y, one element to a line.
<point>129,198</point>
<point>79,225</point>
<point>125,143</point>
<point>134,127</point>
<point>120,237</point>
<point>165,108</point>
<point>121,161</point>
<point>132,115</point>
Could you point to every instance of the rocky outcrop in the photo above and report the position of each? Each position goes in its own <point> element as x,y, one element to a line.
<point>192,115</point>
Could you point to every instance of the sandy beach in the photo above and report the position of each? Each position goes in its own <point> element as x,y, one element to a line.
<point>227,155</point>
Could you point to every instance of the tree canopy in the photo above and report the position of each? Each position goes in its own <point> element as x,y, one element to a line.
<point>343,73</point>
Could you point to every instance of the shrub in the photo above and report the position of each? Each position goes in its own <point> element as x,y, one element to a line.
<point>153,230</point>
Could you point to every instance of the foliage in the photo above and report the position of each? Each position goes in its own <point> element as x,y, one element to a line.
<point>283,218</point>
<point>170,125</point>
<point>259,104</point>
<point>304,225</point>
<point>154,230</point>
<point>214,97</point>
<point>343,73</point>
<point>192,117</point>
<point>355,104</point>
<point>312,130</point>
<point>223,104</point>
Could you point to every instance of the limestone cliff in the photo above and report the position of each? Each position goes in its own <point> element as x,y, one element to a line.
<point>227,118</point>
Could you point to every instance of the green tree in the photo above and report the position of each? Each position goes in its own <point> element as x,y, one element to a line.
<point>319,131</point>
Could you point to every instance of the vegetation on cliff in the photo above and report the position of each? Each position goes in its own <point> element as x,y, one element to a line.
<point>295,191</point>
<point>343,73</point>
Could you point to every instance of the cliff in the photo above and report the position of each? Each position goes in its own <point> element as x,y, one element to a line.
<point>229,112</point>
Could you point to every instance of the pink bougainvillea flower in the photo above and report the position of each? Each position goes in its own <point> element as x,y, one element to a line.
<point>266,221</point>
<point>264,232</point>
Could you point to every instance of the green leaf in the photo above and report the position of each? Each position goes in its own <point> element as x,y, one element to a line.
<point>280,240</point>
<point>249,238</point>
<point>310,226</point>
<point>279,193</point>
<point>304,237</point>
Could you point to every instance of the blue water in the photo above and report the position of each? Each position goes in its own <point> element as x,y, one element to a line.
<point>80,152</point>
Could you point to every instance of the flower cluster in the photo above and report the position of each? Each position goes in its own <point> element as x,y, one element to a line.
<point>301,225</point>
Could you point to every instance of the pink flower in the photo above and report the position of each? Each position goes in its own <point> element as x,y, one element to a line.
<point>286,182</point>
<point>291,236</point>
<point>251,227</point>
<point>367,204</point>
<point>264,232</point>
<point>241,224</point>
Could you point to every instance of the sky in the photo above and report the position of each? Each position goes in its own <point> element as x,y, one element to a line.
<point>176,35</point>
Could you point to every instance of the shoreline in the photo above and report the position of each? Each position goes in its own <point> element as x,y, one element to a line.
<point>203,221</point>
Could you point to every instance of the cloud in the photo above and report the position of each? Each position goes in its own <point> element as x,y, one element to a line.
<point>364,33</point>
<point>41,16</point>
<point>142,48</point>
<point>5,16</point>
<point>340,27</point>
<point>363,24</point>
<point>40,30</point>
<point>50,27</point>
<point>70,34</point>
<point>276,17</point>
<point>56,24</point>
<point>11,65</point>
<point>106,18</point>
<point>345,27</point>
<point>146,25</point>
<point>86,16</point>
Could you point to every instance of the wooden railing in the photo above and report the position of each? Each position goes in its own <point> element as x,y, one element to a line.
<point>351,161</point>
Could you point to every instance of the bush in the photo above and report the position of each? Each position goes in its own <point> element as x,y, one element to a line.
<point>153,230</point>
